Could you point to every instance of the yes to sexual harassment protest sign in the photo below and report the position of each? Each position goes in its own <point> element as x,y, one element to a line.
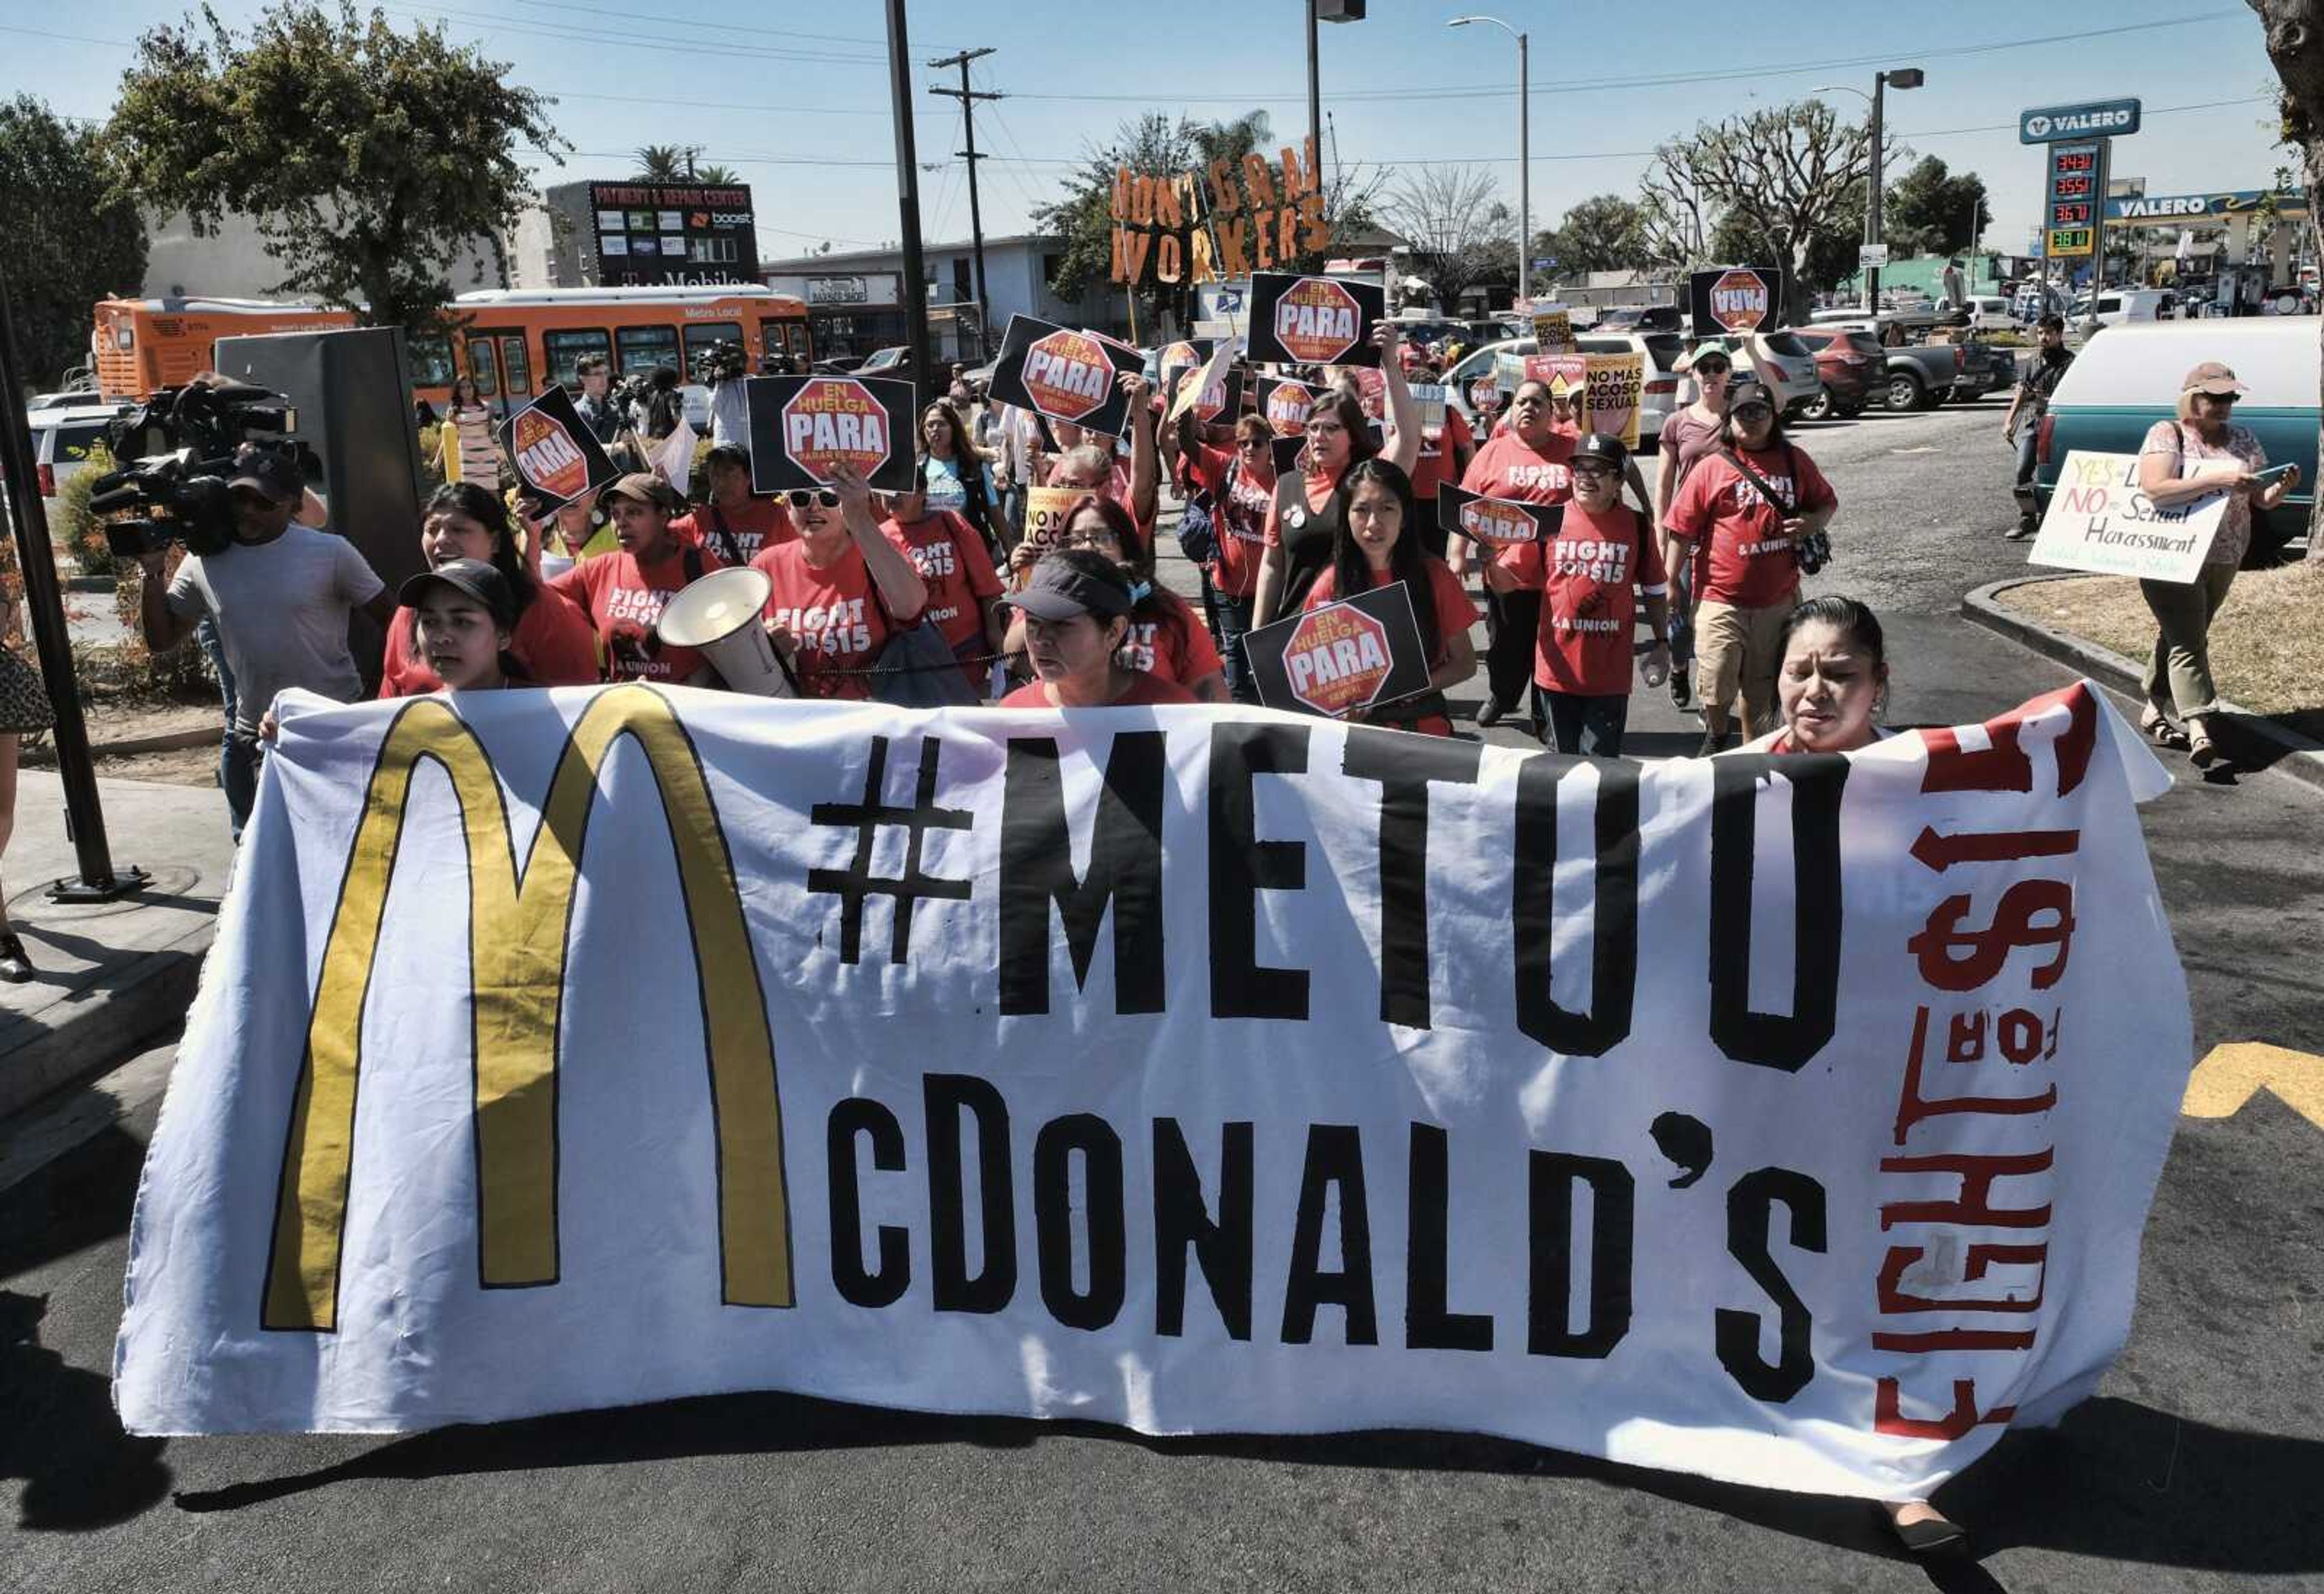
<point>1790,1120</point>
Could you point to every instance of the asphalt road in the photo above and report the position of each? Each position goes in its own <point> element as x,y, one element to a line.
<point>2197,1467</point>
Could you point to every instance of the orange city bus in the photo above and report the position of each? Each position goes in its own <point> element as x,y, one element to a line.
<point>508,339</point>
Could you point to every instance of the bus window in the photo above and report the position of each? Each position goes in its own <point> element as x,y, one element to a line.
<point>642,348</point>
<point>485,366</point>
<point>699,338</point>
<point>564,350</point>
<point>785,339</point>
<point>431,359</point>
<point>518,364</point>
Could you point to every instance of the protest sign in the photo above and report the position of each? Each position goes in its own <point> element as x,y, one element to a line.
<point>1493,520</point>
<point>1213,391</point>
<point>1341,658</point>
<point>2099,521</point>
<point>1509,372</point>
<point>1044,516</point>
<point>556,457</point>
<point>1566,376</point>
<point>1292,1052</point>
<point>1217,220</point>
<point>1372,392</point>
<point>1736,297</point>
<point>1188,354</point>
<point>1287,452</point>
<point>1430,398</point>
<point>1552,328</point>
<point>1486,393</point>
<point>1285,404</point>
<point>803,426</point>
<point>1313,321</point>
<point>1614,383</point>
<point>1064,375</point>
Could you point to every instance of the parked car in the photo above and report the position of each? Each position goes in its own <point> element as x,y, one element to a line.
<point>1983,369</point>
<point>63,434</point>
<point>1990,312</point>
<point>1786,366</point>
<point>1848,365</point>
<point>1916,376</point>
<point>2126,378</point>
<point>838,365</point>
<point>2116,306</point>
<point>1656,401</point>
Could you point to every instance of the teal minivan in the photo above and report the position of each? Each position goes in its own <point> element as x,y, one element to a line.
<point>2126,378</point>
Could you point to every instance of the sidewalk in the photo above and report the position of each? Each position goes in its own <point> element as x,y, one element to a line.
<point>106,976</point>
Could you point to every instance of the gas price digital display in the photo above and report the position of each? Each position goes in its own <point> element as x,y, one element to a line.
<point>2069,212</point>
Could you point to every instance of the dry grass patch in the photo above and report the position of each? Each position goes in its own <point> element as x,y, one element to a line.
<point>2267,644</point>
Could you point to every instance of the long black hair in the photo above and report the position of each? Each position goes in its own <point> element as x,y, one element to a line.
<point>1408,560</point>
<point>488,510</point>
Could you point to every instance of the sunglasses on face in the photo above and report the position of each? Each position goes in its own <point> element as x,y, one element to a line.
<point>1603,472</point>
<point>1754,412</point>
<point>1713,368</point>
<point>2220,398</point>
<point>800,497</point>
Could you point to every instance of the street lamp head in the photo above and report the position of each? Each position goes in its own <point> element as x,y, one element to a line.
<point>1462,21</point>
<point>1906,78</point>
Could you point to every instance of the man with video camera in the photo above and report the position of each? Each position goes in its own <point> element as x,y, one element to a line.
<point>279,593</point>
<point>724,366</point>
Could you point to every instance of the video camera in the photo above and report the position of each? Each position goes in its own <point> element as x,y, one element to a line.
<point>720,361</point>
<point>185,444</point>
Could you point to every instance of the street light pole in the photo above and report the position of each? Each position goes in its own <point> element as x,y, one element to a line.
<point>1901,77</point>
<point>1525,153</point>
<point>1314,98</point>
<point>908,195</point>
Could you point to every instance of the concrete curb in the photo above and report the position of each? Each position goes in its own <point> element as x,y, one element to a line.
<point>110,1021</point>
<point>2301,759</point>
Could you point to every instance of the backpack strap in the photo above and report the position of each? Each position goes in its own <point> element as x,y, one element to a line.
<point>1760,483</point>
<point>729,548</point>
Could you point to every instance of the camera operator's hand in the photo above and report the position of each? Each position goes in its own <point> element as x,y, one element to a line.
<point>152,561</point>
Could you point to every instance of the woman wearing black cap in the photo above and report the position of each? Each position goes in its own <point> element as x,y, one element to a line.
<point>464,622</point>
<point>1076,608</point>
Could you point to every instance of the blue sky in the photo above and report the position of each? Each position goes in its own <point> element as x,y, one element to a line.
<point>795,95</point>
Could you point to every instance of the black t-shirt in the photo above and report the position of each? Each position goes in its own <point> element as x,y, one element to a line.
<point>2042,377</point>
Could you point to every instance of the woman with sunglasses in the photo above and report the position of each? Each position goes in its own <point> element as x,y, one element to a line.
<point>1074,614</point>
<point>1302,524</point>
<point>548,635</point>
<point>1689,435</point>
<point>622,592</point>
<point>838,593</point>
<point>963,591</point>
<point>1738,520</point>
<point>2182,460</point>
<point>1379,545</point>
<point>1240,481</point>
<point>1164,637</point>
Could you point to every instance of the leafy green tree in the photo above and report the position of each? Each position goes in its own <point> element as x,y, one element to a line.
<point>1782,172</point>
<point>71,240</point>
<point>1605,232</point>
<point>717,176</point>
<point>1930,211</point>
<point>368,158</point>
<point>661,162</point>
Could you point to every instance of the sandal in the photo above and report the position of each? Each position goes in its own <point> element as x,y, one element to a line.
<point>15,965</point>
<point>2203,752</point>
<point>2161,732</point>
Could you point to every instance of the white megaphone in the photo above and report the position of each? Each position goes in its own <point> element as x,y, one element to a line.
<point>718,615</point>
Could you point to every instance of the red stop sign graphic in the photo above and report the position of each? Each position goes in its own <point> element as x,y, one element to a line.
<point>1068,375</point>
<point>834,423</point>
<point>1485,521</point>
<point>1337,659</point>
<point>1740,300</point>
<point>1288,407</point>
<point>1317,320</point>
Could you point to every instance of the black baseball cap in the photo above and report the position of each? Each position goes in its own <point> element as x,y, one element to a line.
<point>471,578</point>
<point>1598,445</point>
<point>272,477</point>
<point>1061,588</point>
<point>1749,393</point>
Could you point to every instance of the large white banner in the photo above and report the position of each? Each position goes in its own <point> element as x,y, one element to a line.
<point>1790,1120</point>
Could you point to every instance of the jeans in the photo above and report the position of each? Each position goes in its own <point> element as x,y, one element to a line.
<point>1591,727</point>
<point>1233,619</point>
<point>2178,679</point>
<point>2027,427</point>
<point>1012,512</point>
<point>206,635</point>
<point>238,766</point>
<point>1512,627</point>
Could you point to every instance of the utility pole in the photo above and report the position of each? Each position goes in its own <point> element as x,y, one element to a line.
<point>907,196</point>
<point>968,98</point>
<point>1315,93</point>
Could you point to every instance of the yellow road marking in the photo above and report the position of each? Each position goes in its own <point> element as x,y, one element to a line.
<point>2232,1074</point>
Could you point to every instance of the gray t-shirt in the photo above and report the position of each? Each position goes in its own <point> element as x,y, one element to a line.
<point>282,614</point>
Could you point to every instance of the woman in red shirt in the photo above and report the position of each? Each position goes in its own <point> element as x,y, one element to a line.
<point>622,592</point>
<point>840,591</point>
<point>1303,522</point>
<point>963,591</point>
<point>1076,616</point>
<point>1740,516</point>
<point>1242,484</point>
<point>550,638</point>
<point>1529,458</point>
<point>1165,637</point>
<point>1380,543</point>
<point>733,525</point>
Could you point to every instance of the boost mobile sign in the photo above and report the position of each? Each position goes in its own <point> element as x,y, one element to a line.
<point>1772,1118</point>
<point>2105,118</point>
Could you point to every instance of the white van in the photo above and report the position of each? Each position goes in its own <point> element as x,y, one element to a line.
<point>1990,312</point>
<point>2116,306</point>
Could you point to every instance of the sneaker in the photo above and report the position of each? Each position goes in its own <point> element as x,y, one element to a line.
<point>1681,691</point>
<point>15,967</point>
<point>2027,526</point>
<point>1713,741</point>
<point>1490,715</point>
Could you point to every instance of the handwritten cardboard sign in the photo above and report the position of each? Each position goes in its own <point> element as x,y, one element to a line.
<point>2100,521</point>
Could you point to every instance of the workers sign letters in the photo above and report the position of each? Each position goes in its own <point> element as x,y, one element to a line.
<point>1064,375</point>
<point>556,457</point>
<point>1791,1120</point>
<point>802,427</point>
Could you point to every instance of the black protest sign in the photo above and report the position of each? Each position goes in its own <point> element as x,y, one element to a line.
<point>1736,299</point>
<point>1220,400</point>
<point>1284,404</point>
<point>1313,321</point>
<point>1286,451</point>
<point>1064,374</point>
<point>1341,658</point>
<point>801,427</point>
<point>556,457</point>
<point>1493,522</point>
<point>1185,354</point>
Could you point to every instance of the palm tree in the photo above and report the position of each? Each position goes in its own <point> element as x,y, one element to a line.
<point>662,162</point>
<point>718,177</point>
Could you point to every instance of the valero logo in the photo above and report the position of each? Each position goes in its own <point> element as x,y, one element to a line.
<point>1485,521</point>
<point>1068,375</point>
<point>548,457</point>
<point>1740,301</point>
<point>828,424</point>
<point>1337,659</point>
<point>1316,321</point>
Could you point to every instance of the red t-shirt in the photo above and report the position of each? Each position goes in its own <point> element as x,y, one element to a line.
<point>551,640</point>
<point>760,525</point>
<point>836,622</point>
<point>1146,691</point>
<point>623,600</point>
<point>1587,577</point>
<point>952,561</point>
<point>1150,649</point>
<point>1241,521</point>
<point>1508,467</point>
<point>1456,611</point>
<point>1438,451</point>
<point>1741,556</point>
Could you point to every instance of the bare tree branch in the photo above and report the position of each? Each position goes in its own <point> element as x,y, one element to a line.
<point>1451,216</point>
